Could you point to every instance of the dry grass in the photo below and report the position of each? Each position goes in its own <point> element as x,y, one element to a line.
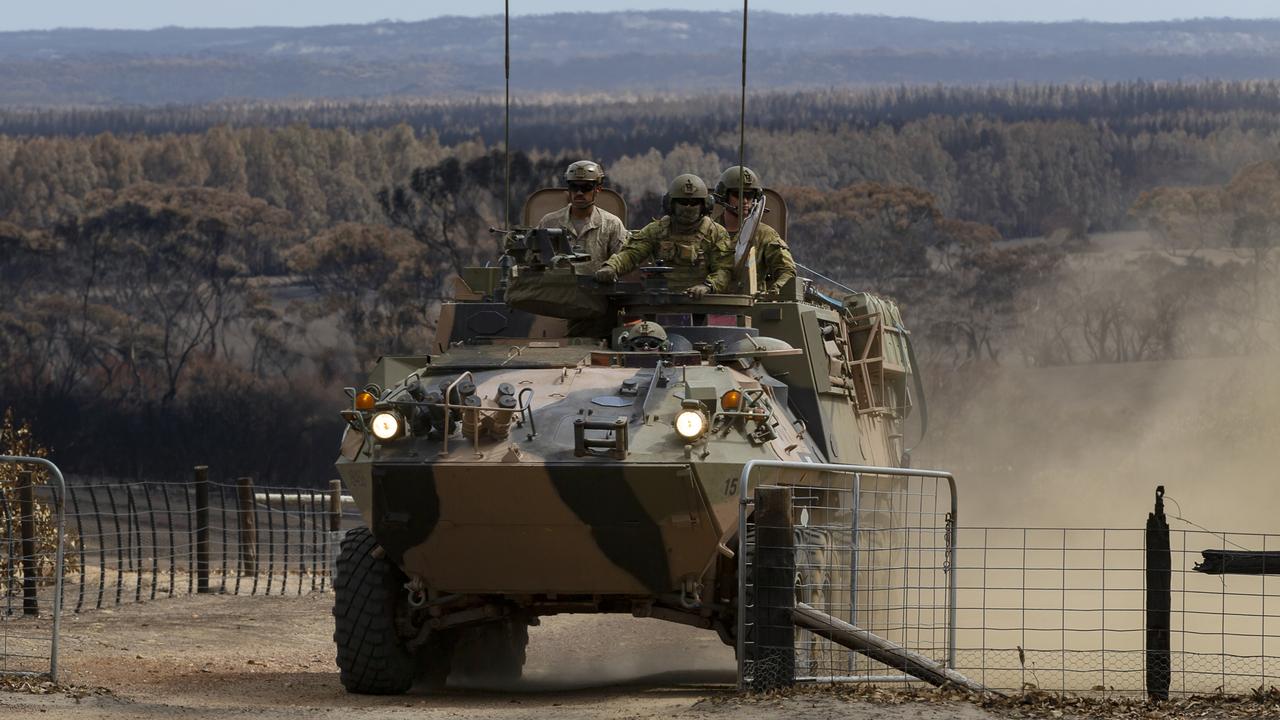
<point>1262,703</point>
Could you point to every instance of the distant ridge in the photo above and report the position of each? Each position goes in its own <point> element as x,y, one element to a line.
<point>656,51</point>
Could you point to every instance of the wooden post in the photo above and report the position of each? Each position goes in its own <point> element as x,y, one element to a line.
<point>773,575</point>
<point>1238,562</point>
<point>333,543</point>
<point>248,527</point>
<point>335,505</point>
<point>202,529</point>
<point>27,533</point>
<point>1159,600</point>
<point>115,516</point>
<point>882,650</point>
<point>75,512</point>
<point>271,543</point>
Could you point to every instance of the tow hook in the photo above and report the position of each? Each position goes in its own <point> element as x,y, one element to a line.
<point>691,593</point>
<point>417,593</point>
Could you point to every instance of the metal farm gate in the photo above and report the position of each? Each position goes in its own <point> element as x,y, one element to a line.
<point>32,538</point>
<point>834,557</point>
<point>872,547</point>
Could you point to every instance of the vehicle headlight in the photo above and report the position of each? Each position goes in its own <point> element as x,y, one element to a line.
<point>385,425</point>
<point>690,424</point>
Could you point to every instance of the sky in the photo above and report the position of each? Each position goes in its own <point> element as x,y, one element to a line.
<point>146,14</point>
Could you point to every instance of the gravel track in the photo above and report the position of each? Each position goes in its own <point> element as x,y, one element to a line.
<point>268,658</point>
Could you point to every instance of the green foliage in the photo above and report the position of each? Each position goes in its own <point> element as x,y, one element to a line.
<point>16,439</point>
<point>960,286</point>
<point>183,298</point>
<point>1230,231</point>
<point>379,282</point>
<point>130,308</point>
<point>1027,160</point>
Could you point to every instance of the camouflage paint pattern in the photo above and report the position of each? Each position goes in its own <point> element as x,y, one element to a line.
<point>522,515</point>
<point>536,520</point>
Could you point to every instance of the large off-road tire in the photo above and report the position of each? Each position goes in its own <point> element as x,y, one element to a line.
<point>372,658</point>
<point>815,555</point>
<point>493,652</point>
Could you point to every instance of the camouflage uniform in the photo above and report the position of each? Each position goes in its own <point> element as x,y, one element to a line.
<point>602,236</point>
<point>703,255</point>
<point>774,264</point>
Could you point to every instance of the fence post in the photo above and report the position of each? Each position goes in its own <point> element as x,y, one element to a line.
<point>27,548</point>
<point>248,527</point>
<point>774,573</point>
<point>202,529</point>
<point>335,527</point>
<point>1159,600</point>
<point>335,505</point>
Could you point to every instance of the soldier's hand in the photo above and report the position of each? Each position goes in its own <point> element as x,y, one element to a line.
<point>697,291</point>
<point>607,275</point>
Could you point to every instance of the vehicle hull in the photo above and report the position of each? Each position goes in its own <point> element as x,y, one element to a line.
<point>570,528</point>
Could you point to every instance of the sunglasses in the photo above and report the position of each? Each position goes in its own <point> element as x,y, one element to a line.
<point>688,201</point>
<point>581,187</point>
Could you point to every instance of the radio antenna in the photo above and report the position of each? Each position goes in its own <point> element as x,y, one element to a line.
<point>506,129</point>
<point>742,113</point>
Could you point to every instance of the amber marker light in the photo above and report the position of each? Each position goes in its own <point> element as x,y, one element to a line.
<point>365,401</point>
<point>731,400</point>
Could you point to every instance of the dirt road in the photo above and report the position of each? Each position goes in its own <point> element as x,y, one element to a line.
<point>267,658</point>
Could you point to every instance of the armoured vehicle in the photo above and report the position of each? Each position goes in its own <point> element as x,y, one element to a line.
<point>516,472</point>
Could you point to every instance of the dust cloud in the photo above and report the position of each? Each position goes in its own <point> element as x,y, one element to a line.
<point>579,652</point>
<point>1086,445</point>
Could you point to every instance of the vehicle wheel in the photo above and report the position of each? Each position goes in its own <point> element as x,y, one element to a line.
<point>814,555</point>
<point>372,658</point>
<point>492,652</point>
<point>813,582</point>
<point>435,661</point>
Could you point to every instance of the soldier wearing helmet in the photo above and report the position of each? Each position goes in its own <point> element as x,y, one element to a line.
<point>686,238</point>
<point>590,229</point>
<point>739,189</point>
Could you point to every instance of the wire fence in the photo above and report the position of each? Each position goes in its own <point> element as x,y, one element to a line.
<point>142,541</point>
<point>1065,610</point>
<point>30,646</point>
<point>870,549</point>
<point>1080,611</point>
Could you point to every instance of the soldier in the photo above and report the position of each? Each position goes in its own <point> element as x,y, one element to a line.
<point>774,266</point>
<point>685,238</point>
<point>590,229</point>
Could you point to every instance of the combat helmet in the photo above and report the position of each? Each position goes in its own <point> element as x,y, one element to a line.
<point>739,177</point>
<point>584,171</point>
<point>687,186</point>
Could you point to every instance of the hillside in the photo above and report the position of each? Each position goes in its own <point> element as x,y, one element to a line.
<point>658,51</point>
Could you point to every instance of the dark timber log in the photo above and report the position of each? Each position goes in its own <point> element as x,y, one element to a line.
<point>1239,562</point>
<point>881,650</point>
<point>772,576</point>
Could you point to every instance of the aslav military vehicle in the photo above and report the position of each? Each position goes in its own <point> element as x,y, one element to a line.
<point>519,471</point>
